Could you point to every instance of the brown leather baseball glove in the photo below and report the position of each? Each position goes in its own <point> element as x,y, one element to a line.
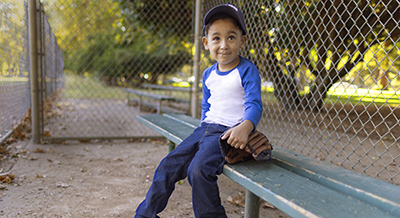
<point>258,147</point>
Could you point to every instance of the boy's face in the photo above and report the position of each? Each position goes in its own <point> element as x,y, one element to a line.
<point>224,39</point>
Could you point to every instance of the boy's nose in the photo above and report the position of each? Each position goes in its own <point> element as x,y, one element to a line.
<point>224,44</point>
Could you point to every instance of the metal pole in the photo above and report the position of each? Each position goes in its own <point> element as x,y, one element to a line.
<point>252,208</point>
<point>33,57</point>
<point>196,60</point>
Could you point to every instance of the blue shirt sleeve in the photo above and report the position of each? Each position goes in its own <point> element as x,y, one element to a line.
<point>252,88</point>
<point>205,106</point>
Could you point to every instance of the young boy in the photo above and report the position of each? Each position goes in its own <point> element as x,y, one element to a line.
<point>231,103</point>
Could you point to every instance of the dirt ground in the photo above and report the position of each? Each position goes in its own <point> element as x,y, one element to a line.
<point>97,179</point>
<point>110,178</point>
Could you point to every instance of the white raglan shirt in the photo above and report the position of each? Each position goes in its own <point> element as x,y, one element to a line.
<point>233,96</point>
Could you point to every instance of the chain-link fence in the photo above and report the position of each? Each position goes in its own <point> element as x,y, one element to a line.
<point>331,79</point>
<point>15,75</point>
<point>14,65</point>
<point>109,46</point>
<point>330,71</point>
<point>52,63</point>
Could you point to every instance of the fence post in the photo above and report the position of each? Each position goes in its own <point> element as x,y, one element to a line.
<point>196,60</point>
<point>33,57</point>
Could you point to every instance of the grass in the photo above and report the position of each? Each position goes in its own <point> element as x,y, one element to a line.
<point>82,87</point>
<point>365,96</point>
<point>14,79</point>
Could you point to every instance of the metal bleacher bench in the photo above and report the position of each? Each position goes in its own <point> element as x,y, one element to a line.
<point>170,89</point>
<point>161,87</point>
<point>297,185</point>
<point>159,98</point>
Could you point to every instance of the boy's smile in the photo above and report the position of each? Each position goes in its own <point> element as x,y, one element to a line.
<point>224,40</point>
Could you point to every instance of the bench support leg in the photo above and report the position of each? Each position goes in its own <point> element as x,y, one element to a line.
<point>140,103</point>
<point>252,208</point>
<point>159,107</point>
<point>171,146</point>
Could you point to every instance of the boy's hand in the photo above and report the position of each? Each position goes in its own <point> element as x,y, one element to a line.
<point>238,135</point>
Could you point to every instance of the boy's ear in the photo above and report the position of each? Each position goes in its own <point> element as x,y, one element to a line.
<point>205,42</point>
<point>243,41</point>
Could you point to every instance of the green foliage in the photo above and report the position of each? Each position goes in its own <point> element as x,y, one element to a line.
<point>322,42</point>
<point>108,39</point>
<point>113,62</point>
<point>13,44</point>
<point>165,16</point>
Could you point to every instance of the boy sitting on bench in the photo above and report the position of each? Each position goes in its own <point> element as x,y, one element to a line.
<point>231,102</point>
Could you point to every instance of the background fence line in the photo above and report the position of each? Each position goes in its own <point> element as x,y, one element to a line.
<point>15,79</point>
<point>330,71</point>
<point>14,66</point>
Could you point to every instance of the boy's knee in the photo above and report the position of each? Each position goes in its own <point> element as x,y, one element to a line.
<point>194,171</point>
<point>197,172</point>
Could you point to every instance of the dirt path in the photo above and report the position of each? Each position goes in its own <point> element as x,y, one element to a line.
<point>97,180</point>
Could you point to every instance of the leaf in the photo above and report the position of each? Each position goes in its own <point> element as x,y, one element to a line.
<point>47,134</point>
<point>268,205</point>
<point>38,150</point>
<point>238,201</point>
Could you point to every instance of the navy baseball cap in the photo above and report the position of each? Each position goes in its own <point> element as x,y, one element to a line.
<point>228,9</point>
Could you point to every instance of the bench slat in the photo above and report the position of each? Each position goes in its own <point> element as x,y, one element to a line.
<point>149,95</point>
<point>174,88</point>
<point>342,180</point>
<point>171,129</point>
<point>295,194</point>
<point>190,121</point>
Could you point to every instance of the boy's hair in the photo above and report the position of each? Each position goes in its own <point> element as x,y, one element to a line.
<point>222,12</point>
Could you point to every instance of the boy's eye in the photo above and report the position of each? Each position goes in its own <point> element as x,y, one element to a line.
<point>215,39</point>
<point>231,37</point>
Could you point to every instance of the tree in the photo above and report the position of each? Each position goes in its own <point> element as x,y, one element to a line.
<point>170,17</point>
<point>75,22</point>
<point>163,28</point>
<point>13,34</point>
<point>121,40</point>
<point>326,39</point>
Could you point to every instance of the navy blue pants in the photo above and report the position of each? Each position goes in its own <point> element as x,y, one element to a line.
<point>199,159</point>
